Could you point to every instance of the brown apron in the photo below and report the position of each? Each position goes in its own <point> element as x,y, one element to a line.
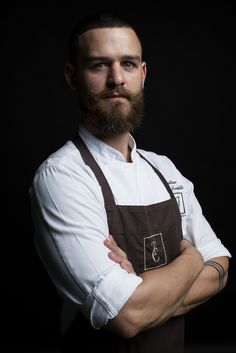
<point>150,235</point>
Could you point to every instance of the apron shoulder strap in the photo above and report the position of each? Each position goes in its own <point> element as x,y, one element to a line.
<point>106,190</point>
<point>90,161</point>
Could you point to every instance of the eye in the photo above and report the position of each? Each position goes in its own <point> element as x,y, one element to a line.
<point>99,66</point>
<point>129,64</point>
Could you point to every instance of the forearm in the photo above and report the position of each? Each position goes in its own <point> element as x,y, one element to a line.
<point>172,286</point>
<point>157,298</point>
<point>209,282</point>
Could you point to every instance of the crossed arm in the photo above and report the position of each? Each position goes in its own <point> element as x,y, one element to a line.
<point>167,291</point>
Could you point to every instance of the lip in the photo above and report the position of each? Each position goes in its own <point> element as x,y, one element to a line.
<point>115,96</point>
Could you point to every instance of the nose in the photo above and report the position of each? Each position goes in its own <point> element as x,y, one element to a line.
<point>115,76</point>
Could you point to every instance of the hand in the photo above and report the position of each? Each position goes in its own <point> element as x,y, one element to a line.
<point>118,255</point>
<point>187,248</point>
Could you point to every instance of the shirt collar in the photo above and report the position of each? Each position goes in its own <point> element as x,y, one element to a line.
<point>104,150</point>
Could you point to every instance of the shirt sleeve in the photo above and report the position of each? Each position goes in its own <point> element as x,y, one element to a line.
<point>70,227</point>
<point>198,230</point>
<point>195,226</point>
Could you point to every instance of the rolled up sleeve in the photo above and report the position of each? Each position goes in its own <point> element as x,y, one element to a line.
<point>199,231</point>
<point>70,228</point>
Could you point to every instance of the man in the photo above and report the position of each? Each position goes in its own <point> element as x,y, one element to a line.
<point>109,228</point>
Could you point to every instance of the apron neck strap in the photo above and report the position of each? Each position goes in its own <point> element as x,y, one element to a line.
<point>106,190</point>
<point>160,176</point>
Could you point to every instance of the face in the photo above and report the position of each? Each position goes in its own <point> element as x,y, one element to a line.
<point>110,78</point>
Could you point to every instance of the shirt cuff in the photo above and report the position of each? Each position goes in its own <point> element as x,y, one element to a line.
<point>110,295</point>
<point>213,249</point>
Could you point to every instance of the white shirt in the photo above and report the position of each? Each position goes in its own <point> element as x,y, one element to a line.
<point>71,223</point>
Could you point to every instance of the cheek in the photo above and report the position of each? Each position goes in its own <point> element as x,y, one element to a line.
<point>94,84</point>
<point>136,84</point>
<point>135,78</point>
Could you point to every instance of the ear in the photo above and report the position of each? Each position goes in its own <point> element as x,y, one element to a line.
<point>71,77</point>
<point>144,72</point>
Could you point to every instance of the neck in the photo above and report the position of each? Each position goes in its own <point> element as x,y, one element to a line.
<point>121,143</point>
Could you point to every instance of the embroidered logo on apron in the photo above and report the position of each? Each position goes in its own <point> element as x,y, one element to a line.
<point>154,251</point>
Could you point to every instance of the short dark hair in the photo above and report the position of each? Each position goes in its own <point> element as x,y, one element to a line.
<point>97,20</point>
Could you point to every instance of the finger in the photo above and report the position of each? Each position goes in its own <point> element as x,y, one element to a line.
<point>108,244</point>
<point>126,265</point>
<point>114,257</point>
<point>112,240</point>
<point>112,245</point>
<point>119,259</point>
<point>116,248</point>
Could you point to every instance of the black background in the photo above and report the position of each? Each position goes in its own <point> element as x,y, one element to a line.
<point>190,107</point>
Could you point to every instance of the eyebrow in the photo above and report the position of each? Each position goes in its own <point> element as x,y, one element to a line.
<point>105,58</point>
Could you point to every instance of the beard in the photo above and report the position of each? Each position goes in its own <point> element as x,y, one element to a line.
<point>105,118</point>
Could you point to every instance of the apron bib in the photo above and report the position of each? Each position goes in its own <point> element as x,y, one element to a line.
<point>150,236</point>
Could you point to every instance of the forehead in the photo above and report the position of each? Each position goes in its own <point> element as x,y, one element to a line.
<point>109,41</point>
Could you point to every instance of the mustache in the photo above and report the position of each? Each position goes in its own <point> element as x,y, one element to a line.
<point>119,91</point>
